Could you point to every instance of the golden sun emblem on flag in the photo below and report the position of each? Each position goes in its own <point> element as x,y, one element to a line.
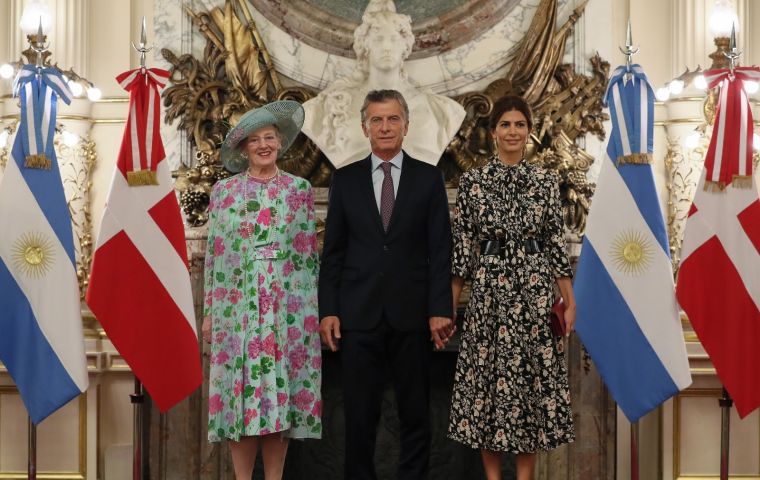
<point>631,252</point>
<point>33,254</point>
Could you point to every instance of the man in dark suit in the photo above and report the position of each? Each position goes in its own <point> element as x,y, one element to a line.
<point>385,285</point>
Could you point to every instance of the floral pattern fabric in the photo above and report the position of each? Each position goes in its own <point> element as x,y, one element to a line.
<point>261,294</point>
<point>510,387</point>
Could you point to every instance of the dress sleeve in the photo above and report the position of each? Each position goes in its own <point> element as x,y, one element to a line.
<point>304,251</point>
<point>464,232</point>
<point>211,248</point>
<point>554,231</point>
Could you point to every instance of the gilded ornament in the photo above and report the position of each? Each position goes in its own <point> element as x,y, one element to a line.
<point>635,159</point>
<point>77,164</point>
<point>7,132</point>
<point>39,161</point>
<point>631,252</point>
<point>33,254</point>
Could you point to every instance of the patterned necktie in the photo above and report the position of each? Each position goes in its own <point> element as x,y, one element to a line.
<point>387,197</point>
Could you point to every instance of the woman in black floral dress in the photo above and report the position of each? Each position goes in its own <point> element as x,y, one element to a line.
<point>510,389</point>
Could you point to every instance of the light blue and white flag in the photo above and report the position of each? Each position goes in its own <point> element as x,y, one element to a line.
<point>627,314</point>
<point>41,342</point>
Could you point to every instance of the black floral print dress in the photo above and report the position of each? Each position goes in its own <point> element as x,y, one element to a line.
<point>510,388</point>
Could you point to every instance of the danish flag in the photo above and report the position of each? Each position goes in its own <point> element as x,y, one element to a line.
<point>719,280</point>
<point>140,284</point>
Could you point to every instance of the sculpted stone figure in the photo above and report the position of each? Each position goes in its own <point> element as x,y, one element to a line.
<point>382,42</point>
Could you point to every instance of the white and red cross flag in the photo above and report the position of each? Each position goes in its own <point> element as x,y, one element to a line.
<point>719,279</point>
<point>140,283</point>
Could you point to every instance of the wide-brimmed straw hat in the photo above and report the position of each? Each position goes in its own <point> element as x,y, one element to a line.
<point>286,115</point>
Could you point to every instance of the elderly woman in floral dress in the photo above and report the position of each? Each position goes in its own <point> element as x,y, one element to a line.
<point>260,312</point>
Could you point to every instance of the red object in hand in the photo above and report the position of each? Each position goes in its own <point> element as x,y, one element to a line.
<point>557,318</point>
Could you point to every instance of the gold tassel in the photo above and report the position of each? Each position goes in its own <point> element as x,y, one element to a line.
<point>140,178</point>
<point>39,161</point>
<point>635,159</point>
<point>742,181</point>
<point>715,187</point>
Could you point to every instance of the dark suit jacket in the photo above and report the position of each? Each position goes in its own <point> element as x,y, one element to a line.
<point>405,272</point>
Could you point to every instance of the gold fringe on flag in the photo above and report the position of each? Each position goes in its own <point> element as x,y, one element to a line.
<point>635,159</point>
<point>39,161</point>
<point>715,187</point>
<point>141,178</point>
<point>742,181</point>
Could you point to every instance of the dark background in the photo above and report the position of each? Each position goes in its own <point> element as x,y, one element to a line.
<point>323,459</point>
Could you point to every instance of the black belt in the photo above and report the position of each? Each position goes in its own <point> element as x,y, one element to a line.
<point>498,246</point>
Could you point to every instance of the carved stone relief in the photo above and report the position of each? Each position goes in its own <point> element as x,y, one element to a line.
<point>208,95</point>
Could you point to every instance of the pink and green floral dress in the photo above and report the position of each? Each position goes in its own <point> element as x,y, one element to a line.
<point>261,294</point>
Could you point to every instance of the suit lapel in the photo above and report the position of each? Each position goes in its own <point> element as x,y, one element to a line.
<point>369,192</point>
<point>405,186</point>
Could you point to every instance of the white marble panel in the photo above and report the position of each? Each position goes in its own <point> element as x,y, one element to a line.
<point>172,29</point>
<point>484,55</point>
<point>292,58</point>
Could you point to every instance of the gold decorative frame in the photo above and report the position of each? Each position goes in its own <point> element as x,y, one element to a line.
<point>81,473</point>
<point>698,393</point>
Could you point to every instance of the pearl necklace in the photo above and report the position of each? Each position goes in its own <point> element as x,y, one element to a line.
<point>248,228</point>
<point>265,179</point>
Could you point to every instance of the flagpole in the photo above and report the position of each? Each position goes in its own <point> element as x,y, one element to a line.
<point>32,451</point>
<point>635,450</point>
<point>725,429</point>
<point>629,51</point>
<point>726,402</point>
<point>137,400</point>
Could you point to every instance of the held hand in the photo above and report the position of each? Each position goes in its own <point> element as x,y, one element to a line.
<point>569,319</point>
<point>329,330</point>
<point>206,329</point>
<point>441,331</point>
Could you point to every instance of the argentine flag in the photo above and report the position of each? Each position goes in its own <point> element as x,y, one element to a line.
<point>40,314</point>
<point>627,315</point>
